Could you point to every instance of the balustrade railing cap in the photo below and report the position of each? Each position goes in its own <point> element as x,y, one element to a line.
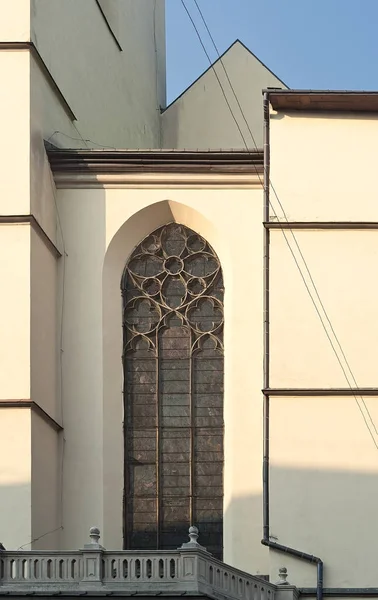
<point>193,544</point>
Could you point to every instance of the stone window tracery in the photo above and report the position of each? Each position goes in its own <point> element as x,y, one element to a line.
<point>172,291</point>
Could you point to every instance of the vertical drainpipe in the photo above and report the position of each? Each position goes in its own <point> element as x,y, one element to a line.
<point>266,317</point>
<point>266,504</point>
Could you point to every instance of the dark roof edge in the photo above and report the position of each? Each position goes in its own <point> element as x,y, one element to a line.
<point>292,92</point>
<point>237,41</point>
<point>323,100</point>
<point>156,161</point>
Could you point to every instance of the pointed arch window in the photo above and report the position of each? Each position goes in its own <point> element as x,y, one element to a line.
<point>172,291</point>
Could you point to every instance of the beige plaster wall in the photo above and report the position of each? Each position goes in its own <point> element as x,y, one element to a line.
<point>14,151</point>
<point>323,459</point>
<point>15,477</point>
<point>201,118</point>
<point>44,333</point>
<point>46,463</point>
<point>114,105</point>
<point>15,312</point>
<point>47,114</point>
<point>28,359</point>
<point>83,222</point>
<point>323,488</point>
<point>15,21</point>
<point>334,157</point>
<point>341,264</point>
<point>103,226</point>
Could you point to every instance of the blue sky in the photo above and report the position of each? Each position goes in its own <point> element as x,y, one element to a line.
<point>317,44</point>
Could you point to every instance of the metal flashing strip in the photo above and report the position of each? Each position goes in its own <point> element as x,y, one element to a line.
<point>341,592</point>
<point>314,225</point>
<point>34,51</point>
<point>26,403</point>
<point>320,392</point>
<point>109,26</point>
<point>32,221</point>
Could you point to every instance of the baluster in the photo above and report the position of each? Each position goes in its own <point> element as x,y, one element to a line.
<point>161,568</point>
<point>225,580</point>
<point>172,568</point>
<point>149,569</point>
<point>125,566</point>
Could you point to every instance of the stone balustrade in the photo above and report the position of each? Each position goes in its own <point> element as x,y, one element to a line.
<point>188,570</point>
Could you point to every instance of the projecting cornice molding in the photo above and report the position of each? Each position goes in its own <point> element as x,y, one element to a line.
<point>156,168</point>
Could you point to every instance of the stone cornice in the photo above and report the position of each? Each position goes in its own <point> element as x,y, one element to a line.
<point>156,168</point>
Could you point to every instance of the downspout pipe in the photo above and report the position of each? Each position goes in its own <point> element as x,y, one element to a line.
<point>266,541</point>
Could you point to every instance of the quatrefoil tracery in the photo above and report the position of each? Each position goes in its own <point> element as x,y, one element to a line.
<point>173,271</point>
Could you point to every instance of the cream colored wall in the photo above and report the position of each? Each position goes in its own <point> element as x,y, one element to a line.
<point>15,312</point>
<point>323,460</point>
<point>15,476</point>
<point>114,104</point>
<point>83,223</point>
<point>44,334</point>
<point>15,21</point>
<point>14,150</point>
<point>323,488</point>
<point>48,114</point>
<point>46,454</point>
<point>334,158</point>
<point>28,463</point>
<point>301,355</point>
<point>324,465</point>
<point>201,118</point>
<point>101,227</point>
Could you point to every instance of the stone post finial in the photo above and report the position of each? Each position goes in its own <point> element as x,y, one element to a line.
<point>193,534</point>
<point>94,540</point>
<point>94,535</point>
<point>193,541</point>
<point>282,574</point>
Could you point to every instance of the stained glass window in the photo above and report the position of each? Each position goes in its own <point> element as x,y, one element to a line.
<point>172,291</point>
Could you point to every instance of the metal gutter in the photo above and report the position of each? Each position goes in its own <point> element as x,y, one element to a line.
<point>266,541</point>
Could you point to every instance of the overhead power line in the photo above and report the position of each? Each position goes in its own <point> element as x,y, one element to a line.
<point>286,219</point>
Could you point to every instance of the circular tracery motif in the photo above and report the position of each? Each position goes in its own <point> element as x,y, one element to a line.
<point>174,268</point>
<point>173,265</point>
<point>151,286</point>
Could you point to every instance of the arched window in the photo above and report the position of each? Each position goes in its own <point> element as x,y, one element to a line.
<point>172,291</point>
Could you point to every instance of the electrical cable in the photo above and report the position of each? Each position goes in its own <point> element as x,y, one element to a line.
<point>285,216</point>
<point>284,213</point>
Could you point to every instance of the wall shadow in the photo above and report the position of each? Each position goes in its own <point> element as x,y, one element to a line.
<point>330,514</point>
<point>327,513</point>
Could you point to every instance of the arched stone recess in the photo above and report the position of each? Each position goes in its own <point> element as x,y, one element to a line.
<point>124,241</point>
